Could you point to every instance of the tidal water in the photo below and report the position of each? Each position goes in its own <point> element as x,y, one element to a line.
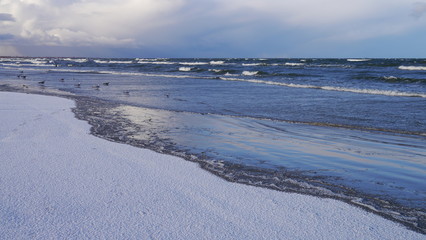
<point>353,129</point>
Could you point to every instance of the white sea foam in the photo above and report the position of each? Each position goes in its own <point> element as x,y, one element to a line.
<point>120,62</point>
<point>145,59</point>
<point>11,64</point>
<point>79,60</point>
<point>117,73</point>
<point>193,63</point>
<point>185,69</point>
<point>230,74</point>
<point>156,62</point>
<point>357,59</point>
<point>28,62</point>
<point>331,88</point>
<point>217,62</point>
<point>37,61</point>
<point>413,68</point>
<point>250,73</point>
<point>112,62</point>
<point>100,61</point>
<point>151,59</point>
<point>8,59</point>
<point>252,64</point>
<point>293,64</point>
<point>331,65</point>
<point>42,62</point>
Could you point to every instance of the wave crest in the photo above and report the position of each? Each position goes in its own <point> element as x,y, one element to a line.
<point>332,88</point>
<point>185,69</point>
<point>250,73</point>
<point>413,68</point>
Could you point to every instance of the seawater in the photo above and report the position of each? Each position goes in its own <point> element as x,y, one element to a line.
<point>353,129</point>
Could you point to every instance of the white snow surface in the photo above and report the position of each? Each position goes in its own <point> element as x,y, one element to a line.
<point>59,182</point>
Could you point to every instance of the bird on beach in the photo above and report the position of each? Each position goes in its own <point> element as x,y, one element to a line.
<point>77,85</point>
<point>126,92</point>
<point>105,83</point>
<point>41,82</point>
<point>96,87</point>
<point>62,80</point>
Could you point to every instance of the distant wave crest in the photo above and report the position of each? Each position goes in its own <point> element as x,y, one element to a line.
<point>331,88</point>
<point>413,68</point>
<point>185,69</point>
<point>250,73</point>
<point>358,59</point>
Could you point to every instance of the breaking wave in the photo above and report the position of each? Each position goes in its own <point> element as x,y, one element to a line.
<point>413,68</point>
<point>193,63</point>
<point>332,88</point>
<point>293,64</point>
<point>250,73</point>
<point>217,62</point>
<point>185,69</point>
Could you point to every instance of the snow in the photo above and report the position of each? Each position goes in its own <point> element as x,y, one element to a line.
<point>59,182</point>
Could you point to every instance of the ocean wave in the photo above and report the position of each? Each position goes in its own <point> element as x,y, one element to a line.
<point>151,59</point>
<point>76,71</point>
<point>11,64</point>
<point>358,59</point>
<point>331,88</point>
<point>156,62</point>
<point>217,62</point>
<point>193,63</point>
<point>253,64</point>
<point>413,68</point>
<point>250,73</point>
<point>402,79</point>
<point>3,59</point>
<point>111,62</point>
<point>331,65</point>
<point>185,69</point>
<point>78,60</point>
<point>390,78</point>
<point>120,62</point>
<point>224,71</point>
<point>101,61</point>
<point>25,64</point>
<point>38,61</point>
<point>230,74</point>
<point>293,64</point>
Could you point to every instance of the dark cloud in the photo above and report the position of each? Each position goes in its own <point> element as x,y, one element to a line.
<point>6,17</point>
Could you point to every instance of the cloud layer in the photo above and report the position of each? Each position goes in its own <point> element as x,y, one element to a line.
<point>210,27</point>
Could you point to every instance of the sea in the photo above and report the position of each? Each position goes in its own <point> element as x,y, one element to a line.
<point>349,129</point>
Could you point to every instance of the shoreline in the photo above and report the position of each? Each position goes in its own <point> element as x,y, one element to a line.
<point>66,176</point>
<point>108,124</point>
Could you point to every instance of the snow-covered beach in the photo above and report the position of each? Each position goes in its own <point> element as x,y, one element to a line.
<point>59,182</point>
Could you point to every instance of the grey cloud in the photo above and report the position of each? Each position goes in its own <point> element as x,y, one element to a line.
<point>6,17</point>
<point>419,9</point>
<point>6,36</point>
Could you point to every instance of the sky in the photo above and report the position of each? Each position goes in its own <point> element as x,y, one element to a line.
<point>213,28</point>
